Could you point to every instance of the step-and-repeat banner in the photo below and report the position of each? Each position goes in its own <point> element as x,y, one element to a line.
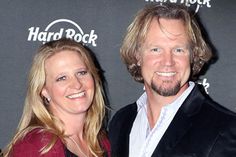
<point>101,24</point>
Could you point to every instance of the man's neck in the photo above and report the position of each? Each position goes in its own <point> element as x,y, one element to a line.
<point>155,102</point>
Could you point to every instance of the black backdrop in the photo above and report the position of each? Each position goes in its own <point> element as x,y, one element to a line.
<point>26,24</point>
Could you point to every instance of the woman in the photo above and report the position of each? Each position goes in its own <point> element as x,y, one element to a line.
<point>64,106</point>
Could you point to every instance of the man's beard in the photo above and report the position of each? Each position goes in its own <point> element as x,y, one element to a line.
<point>166,91</point>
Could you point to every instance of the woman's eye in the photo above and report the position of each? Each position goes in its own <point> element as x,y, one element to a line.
<point>81,73</point>
<point>61,78</point>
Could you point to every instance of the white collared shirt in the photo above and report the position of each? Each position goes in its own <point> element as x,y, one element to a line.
<point>143,139</point>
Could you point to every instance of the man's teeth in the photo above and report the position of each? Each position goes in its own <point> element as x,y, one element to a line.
<point>166,73</point>
<point>77,95</point>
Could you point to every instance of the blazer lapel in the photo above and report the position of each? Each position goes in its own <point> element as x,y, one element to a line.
<point>121,130</point>
<point>180,124</point>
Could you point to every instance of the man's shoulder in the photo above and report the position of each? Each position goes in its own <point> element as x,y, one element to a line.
<point>120,127</point>
<point>198,100</point>
<point>127,111</point>
<point>213,114</point>
<point>220,110</point>
<point>124,116</point>
<point>220,121</point>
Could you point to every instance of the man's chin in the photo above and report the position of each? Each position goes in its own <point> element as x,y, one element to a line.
<point>166,89</point>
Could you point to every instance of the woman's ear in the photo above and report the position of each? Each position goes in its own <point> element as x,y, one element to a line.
<point>45,94</point>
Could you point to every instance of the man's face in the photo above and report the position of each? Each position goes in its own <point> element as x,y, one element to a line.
<point>165,57</point>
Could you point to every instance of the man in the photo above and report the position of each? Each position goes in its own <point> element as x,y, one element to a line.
<point>164,50</point>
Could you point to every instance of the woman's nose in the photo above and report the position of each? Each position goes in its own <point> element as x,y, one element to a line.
<point>76,83</point>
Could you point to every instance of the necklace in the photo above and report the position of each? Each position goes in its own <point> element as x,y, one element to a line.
<point>78,147</point>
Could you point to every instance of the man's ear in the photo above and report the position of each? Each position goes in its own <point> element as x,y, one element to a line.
<point>139,62</point>
<point>138,58</point>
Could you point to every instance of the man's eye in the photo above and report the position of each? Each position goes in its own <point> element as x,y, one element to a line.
<point>179,50</point>
<point>156,50</point>
<point>61,78</point>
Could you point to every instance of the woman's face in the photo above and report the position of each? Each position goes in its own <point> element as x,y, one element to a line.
<point>69,85</point>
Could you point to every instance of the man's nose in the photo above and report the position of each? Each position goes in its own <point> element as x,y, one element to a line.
<point>168,59</point>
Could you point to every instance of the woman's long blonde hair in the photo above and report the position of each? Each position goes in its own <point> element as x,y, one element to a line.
<point>36,113</point>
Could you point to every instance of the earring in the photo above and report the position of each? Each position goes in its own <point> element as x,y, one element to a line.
<point>48,99</point>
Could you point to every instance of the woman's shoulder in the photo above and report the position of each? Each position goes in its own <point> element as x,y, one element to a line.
<point>36,137</point>
<point>34,141</point>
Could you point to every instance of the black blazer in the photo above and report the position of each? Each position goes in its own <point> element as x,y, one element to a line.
<point>200,128</point>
